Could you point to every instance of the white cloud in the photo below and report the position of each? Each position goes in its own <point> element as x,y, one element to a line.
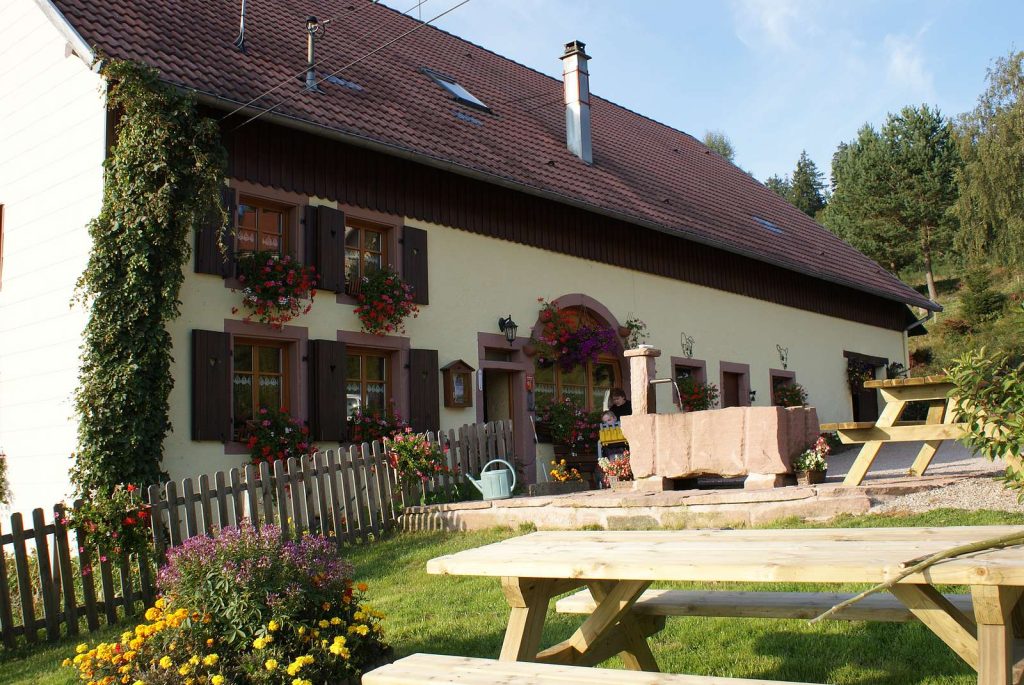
<point>768,23</point>
<point>905,65</point>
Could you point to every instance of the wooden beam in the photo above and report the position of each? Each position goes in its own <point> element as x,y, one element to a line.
<point>940,432</point>
<point>944,619</point>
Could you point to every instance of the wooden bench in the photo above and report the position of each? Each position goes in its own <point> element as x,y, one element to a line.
<point>805,605</point>
<point>435,669</point>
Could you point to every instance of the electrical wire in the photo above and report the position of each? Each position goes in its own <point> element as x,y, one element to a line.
<point>288,80</point>
<point>357,61</point>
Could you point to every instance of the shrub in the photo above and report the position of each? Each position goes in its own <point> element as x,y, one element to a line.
<point>956,326</point>
<point>979,302</point>
<point>697,396</point>
<point>276,435</point>
<point>370,426</point>
<point>115,523</point>
<point>569,424</point>
<point>246,608</point>
<point>416,460</point>
<point>385,300</point>
<point>789,395</point>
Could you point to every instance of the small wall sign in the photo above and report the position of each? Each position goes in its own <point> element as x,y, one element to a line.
<point>458,384</point>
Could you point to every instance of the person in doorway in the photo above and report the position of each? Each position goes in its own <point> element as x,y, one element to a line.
<point>618,404</point>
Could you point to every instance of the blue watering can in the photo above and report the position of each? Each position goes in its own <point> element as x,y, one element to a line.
<point>495,484</point>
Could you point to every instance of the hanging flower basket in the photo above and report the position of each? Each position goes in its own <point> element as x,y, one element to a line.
<point>275,288</point>
<point>559,341</point>
<point>385,301</point>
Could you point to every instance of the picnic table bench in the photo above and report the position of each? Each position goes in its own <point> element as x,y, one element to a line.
<point>436,669</point>
<point>897,393</point>
<point>618,567</point>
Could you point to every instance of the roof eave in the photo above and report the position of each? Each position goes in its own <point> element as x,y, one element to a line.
<point>438,163</point>
<point>78,44</point>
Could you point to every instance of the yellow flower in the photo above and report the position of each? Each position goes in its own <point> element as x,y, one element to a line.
<point>185,669</point>
<point>82,648</point>
<point>217,680</point>
<point>335,621</point>
<point>139,682</point>
<point>165,662</point>
<point>273,625</point>
<point>259,643</point>
<point>270,664</point>
<point>209,642</point>
<point>323,623</point>
<point>160,603</point>
<point>211,660</point>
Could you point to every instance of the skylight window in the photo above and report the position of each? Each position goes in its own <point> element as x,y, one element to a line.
<point>345,83</point>
<point>767,224</point>
<point>456,90</point>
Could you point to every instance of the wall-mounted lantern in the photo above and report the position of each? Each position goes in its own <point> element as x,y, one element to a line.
<point>507,326</point>
<point>458,384</point>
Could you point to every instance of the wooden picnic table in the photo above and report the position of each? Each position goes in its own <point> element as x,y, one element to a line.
<point>618,566</point>
<point>938,426</point>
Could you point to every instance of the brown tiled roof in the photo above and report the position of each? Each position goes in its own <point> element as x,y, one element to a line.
<point>642,169</point>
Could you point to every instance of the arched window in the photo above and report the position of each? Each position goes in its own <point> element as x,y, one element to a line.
<point>588,385</point>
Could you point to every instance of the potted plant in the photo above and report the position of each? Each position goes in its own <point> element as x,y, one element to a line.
<point>811,465</point>
<point>789,395</point>
<point>857,372</point>
<point>275,435</point>
<point>616,469</point>
<point>572,429</point>
<point>385,301</point>
<point>564,479</point>
<point>635,332</point>
<point>697,396</point>
<point>275,288</point>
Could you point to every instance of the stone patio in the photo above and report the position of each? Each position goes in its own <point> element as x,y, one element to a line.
<point>633,509</point>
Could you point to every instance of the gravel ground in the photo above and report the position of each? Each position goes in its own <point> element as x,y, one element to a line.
<point>978,488</point>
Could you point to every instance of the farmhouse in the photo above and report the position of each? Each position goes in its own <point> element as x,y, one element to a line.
<point>487,185</point>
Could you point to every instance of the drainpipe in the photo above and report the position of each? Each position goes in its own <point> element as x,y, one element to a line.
<point>920,322</point>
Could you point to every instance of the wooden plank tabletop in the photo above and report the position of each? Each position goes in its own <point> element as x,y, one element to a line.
<point>905,382</point>
<point>810,555</point>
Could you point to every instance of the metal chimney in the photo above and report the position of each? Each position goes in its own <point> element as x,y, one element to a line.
<point>577,100</point>
<point>240,39</point>
<point>313,29</point>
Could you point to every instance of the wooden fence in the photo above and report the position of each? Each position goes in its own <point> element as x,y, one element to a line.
<point>353,495</point>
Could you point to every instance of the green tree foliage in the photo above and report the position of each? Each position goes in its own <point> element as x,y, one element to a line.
<point>780,185</point>
<point>979,302</point>
<point>162,181</point>
<point>807,192</point>
<point>720,143</point>
<point>991,141</point>
<point>893,189</point>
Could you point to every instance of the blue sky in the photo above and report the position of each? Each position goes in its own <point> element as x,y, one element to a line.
<point>777,76</point>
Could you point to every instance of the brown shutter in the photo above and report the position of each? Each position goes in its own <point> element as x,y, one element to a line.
<point>424,395</point>
<point>211,385</point>
<point>209,258</point>
<point>414,263</point>
<point>325,246</point>
<point>327,397</point>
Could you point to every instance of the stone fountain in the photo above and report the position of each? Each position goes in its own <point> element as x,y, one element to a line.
<point>757,442</point>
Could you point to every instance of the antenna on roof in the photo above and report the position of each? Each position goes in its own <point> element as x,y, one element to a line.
<point>240,39</point>
<point>315,29</point>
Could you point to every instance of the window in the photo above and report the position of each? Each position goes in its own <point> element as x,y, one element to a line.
<point>366,248</point>
<point>260,379</point>
<point>587,386</point>
<point>456,90</point>
<point>263,225</point>
<point>368,381</point>
<point>780,378</point>
<point>684,368</point>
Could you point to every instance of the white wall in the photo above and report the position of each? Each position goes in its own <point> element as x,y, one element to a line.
<point>475,279</point>
<point>52,130</point>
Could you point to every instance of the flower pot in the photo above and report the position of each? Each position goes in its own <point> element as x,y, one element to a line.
<point>556,488</point>
<point>623,331</point>
<point>529,349</point>
<point>810,477</point>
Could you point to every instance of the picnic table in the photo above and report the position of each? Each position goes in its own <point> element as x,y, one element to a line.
<point>618,567</point>
<point>938,426</point>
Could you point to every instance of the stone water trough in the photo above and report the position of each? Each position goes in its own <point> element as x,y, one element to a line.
<point>757,442</point>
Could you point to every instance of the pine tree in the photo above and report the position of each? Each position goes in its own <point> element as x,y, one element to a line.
<point>720,143</point>
<point>780,185</point>
<point>807,187</point>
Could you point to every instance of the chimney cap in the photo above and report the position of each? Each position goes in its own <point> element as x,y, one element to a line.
<point>576,47</point>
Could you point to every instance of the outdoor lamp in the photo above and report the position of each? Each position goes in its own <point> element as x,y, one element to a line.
<point>509,328</point>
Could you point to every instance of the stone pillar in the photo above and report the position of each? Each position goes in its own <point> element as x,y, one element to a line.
<point>641,371</point>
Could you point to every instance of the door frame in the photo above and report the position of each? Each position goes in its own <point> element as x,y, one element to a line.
<point>744,385</point>
<point>518,367</point>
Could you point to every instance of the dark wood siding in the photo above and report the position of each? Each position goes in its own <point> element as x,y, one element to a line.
<point>414,263</point>
<point>209,258</point>
<point>325,246</point>
<point>327,416</point>
<point>304,163</point>
<point>424,394</point>
<point>211,385</point>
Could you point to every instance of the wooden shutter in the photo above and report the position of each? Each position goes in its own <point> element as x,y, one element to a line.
<point>211,385</point>
<point>209,258</point>
<point>325,246</point>
<point>424,395</point>
<point>414,263</point>
<point>327,397</point>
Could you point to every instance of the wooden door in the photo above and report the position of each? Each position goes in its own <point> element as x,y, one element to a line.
<point>731,389</point>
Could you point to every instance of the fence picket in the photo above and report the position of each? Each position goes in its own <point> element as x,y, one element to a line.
<point>267,493</point>
<point>380,470</point>
<point>189,495</point>
<point>323,512</point>
<point>358,491</point>
<point>156,521</point>
<point>372,494</point>
<point>237,497</point>
<point>46,585</point>
<point>337,495</point>
<point>306,493</point>
<point>173,513</point>
<point>220,481</point>
<point>86,574</point>
<point>279,483</point>
<point>28,612</point>
<point>109,598</point>
<point>251,498</point>
<point>127,591</point>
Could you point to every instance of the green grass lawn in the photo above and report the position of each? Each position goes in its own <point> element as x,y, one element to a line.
<point>467,615</point>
